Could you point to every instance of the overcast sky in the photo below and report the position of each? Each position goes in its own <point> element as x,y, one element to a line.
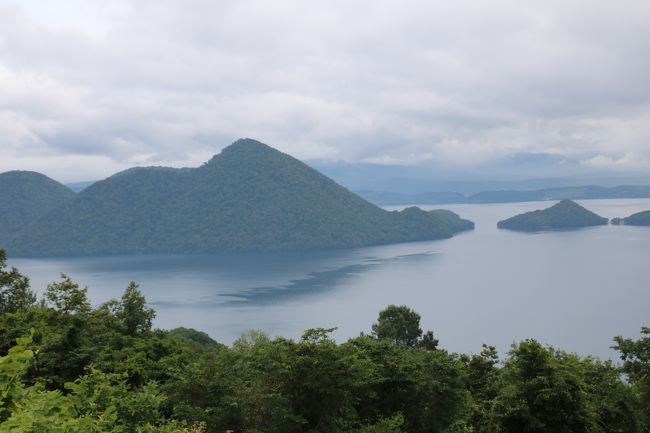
<point>87,89</point>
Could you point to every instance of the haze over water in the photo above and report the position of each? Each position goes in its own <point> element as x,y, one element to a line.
<point>572,289</point>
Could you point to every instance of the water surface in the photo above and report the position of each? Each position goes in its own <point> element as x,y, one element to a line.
<point>572,289</point>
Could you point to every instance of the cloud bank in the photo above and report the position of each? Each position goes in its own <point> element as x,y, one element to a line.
<point>87,89</point>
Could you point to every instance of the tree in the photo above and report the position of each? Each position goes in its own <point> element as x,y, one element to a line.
<point>63,332</point>
<point>483,383</point>
<point>428,341</point>
<point>67,297</point>
<point>636,364</point>
<point>615,402</point>
<point>402,325</point>
<point>326,380</point>
<point>399,324</point>
<point>133,313</point>
<point>541,394</point>
<point>15,293</point>
<point>426,388</point>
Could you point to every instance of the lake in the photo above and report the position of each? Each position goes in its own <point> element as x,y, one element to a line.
<point>572,289</point>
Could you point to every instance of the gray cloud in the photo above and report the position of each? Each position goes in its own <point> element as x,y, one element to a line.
<point>87,89</point>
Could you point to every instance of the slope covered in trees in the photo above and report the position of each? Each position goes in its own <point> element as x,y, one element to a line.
<point>68,367</point>
<point>26,196</point>
<point>563,215</point>
<point>249,197</point>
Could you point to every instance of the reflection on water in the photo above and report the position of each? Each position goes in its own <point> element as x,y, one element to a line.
<point>574,289</point>
<point>315,283</point>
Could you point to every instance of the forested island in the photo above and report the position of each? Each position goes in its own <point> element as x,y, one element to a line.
<point>250,197</point>
<point>637,219</point>
<point>566,214</point>
<point>68,367</point>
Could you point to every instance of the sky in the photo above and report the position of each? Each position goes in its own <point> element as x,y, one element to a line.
<point>88,88</point>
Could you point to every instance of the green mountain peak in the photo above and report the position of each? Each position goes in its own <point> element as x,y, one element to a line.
<point>249,197</point>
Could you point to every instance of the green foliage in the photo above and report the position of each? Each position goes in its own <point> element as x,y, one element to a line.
<point>239,389</point>
<point>636,356</point>
<point>426,387</point>
<point>540,394</point>
<point>543,390</point>
<point>563,215</point>
<point>12,367</point>
<point>133,313</point>
<point>615,404</point>
<point>482,375</point>
<point>95,402</point>
<point>326,379</point>
<point>15,294</point>
<point>385,425</point>
<point>636,364</point>
<point>116,337</point>
<point>249,197</point>
<point>401,325</point>
<point>97,393</point>
<point>66,297</point>
<point>199,339</point>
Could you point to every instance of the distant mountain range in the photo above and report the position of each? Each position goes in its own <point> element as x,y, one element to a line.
<point>508,196</point>
<point>79,186</point>
<point>519,172</point>
<point>566,214</point>
<point>250,197</point>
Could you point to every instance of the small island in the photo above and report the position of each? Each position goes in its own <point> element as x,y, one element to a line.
<point>566,214</point>
<point>637,219</point>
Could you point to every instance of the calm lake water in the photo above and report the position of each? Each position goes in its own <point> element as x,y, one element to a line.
<point>572,289</point>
